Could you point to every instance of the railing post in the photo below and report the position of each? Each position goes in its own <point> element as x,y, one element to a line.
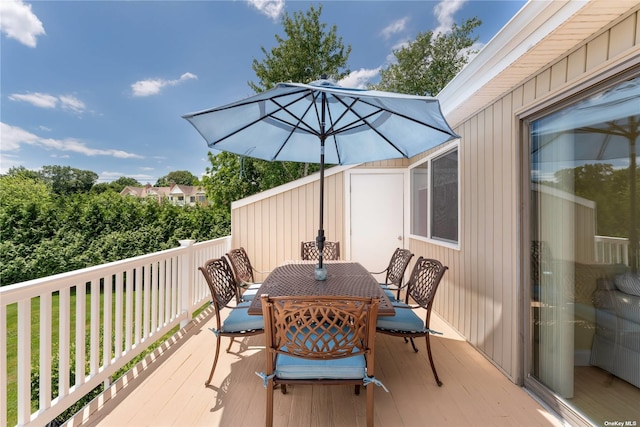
<point>186,279</point>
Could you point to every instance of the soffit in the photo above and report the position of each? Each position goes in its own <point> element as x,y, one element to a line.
<point>537,36</point>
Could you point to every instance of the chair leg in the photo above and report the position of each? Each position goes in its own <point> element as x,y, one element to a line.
<point>215,361</point>
<point>413,344</point>
<point>230,343</point>
<point>370,388</point>
<point>357,390</point>
<point>433,367</point>
<point>269,419</point>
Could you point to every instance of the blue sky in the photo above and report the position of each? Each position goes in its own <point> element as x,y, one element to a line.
<point>102,85</point>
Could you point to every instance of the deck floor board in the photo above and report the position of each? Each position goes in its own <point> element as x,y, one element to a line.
<point>172,393</point>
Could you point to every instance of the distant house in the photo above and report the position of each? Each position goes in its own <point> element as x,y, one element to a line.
<point>180,195</point>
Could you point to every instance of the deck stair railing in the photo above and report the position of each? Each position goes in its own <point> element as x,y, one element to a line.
<point>126,306</point>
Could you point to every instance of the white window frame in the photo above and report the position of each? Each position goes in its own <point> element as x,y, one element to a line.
<point>429,160</point>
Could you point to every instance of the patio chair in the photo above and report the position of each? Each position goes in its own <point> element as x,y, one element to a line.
<point>309,251</point>
<point>319,340</point>
<point>244,273</point>
<point>394,273</point>
<point>421,287</point>
<point>238,322</point>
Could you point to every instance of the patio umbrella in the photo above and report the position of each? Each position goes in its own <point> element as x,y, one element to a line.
<point>603,127</point>
<point>324,123</point>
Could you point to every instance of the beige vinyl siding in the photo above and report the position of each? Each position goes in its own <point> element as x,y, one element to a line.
<point>272,228</point>
<point>479,294</point>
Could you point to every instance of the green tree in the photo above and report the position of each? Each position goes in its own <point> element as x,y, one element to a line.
<point>68,180</point>
<point>177,177</point>
<point>119,184</point>
<point>429,62</point>
<point>23,172</point>
<point>308,50</point>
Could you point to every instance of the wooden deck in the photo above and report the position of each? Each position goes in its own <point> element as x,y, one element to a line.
<point>172,393</point>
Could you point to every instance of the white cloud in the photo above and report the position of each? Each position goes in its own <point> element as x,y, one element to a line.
<point>45,100</point>
<point>271,8</point>
<point>18,22</point>
<point>360,78</point>
<point>71,103</point>
<point>37,99</point>
<point>395,27</point>
<point>12,138</point>
<point>154,86</point>
<point>444,12</point>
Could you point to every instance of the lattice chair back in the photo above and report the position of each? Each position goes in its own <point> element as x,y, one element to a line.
<point>424,281</point>
<point>319,340</point>
<point>242,265</point>
<point>221,281</point>
<point>321,327</point>
<point>309,251</point>
<point>397,266</point>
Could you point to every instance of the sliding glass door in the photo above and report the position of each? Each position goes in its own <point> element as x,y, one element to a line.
<point>584,282</point>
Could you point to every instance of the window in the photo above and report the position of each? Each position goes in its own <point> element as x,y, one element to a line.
<point>434,198</point>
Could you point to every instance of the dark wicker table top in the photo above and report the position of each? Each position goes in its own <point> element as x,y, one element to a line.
<point>343,279</point>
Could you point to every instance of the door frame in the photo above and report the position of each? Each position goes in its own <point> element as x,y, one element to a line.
<point>347,201</point>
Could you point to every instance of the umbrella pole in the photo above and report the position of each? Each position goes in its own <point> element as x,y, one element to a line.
<point>321,271</point>
<point>320,238</point>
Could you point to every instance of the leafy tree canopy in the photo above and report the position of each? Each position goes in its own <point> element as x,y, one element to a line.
<point>429,62</point>
<point>308,50</point>
<point>21,171</point>
<point>68,180</point>
<point>177,177</point>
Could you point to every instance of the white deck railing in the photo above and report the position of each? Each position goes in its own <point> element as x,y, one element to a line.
<point>128,305</point>
<point>612,250</point>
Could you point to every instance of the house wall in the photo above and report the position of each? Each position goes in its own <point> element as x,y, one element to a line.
<point>480,293</point>
<point>272,227</point>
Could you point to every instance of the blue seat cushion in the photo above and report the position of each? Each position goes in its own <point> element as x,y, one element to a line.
<point>291,367</point>
<point>240,320</point>
<point>253,285</point>
<point>391,294</point>
<point>405,320</point>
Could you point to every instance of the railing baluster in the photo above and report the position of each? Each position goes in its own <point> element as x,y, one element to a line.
<point>64,342</point>
<point>45,351</point>
<point>24,361</point>
<point>81,310</point>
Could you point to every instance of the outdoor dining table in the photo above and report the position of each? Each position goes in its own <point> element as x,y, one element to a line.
<point>343,279</point>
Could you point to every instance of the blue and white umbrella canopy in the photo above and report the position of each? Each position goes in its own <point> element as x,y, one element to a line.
<point>321,122</point>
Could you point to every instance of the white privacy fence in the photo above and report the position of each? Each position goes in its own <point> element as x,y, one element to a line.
<point>81,327</point>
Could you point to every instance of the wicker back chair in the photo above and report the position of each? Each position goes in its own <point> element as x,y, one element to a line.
<point>244,273</point>
<point>319,340</point>
<point>394,273</point>
<point>222,284</point>
<point>421,288</point>
<point>309,251</point>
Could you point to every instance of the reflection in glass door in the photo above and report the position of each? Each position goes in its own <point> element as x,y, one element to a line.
<point>585,285</point>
